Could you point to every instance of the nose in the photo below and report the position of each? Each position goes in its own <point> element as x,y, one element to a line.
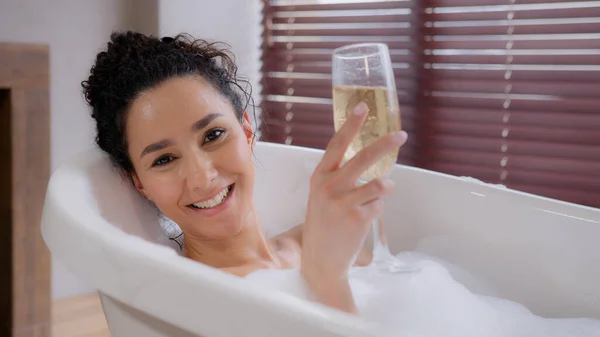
<point>199,171</point>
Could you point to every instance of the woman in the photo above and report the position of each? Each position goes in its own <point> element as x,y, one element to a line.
<point>170,114</point>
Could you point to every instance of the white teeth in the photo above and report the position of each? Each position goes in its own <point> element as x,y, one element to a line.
<point>217,200</point>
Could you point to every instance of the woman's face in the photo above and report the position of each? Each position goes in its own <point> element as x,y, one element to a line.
<point>192,157</point>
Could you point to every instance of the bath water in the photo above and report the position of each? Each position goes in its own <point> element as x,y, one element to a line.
<point>438,300</point>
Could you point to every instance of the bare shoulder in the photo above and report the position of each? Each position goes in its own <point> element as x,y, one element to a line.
<point>295,234</point>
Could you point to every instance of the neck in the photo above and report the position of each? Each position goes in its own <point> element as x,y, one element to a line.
<point>248,246</point>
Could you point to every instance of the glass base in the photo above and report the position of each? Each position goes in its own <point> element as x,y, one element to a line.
<point>384,263</point>
<point>391,266</point>
<point>383,260</point>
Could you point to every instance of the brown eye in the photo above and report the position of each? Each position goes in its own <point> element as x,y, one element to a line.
<point>164,160</point>
<point>213,135</point>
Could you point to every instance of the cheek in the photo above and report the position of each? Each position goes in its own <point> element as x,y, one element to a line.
<point>163,188</point>
<point>243,155</point>
<point>247,167</point>
<point>236,159</point>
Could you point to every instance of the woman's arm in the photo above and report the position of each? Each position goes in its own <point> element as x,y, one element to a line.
<point>334,292</point>
<point>339,212</point>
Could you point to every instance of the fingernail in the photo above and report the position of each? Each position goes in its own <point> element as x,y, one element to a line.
<point>361,109</point>
<point>400,136</point>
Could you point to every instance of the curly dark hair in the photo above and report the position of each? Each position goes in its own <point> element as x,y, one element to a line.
<point>133,63</point>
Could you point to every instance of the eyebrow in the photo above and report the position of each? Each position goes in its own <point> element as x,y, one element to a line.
<point>199,125</point>
<point>202,123</point>
<point>161,144</point>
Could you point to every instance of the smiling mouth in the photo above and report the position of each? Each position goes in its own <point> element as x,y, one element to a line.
<point>214,202</point>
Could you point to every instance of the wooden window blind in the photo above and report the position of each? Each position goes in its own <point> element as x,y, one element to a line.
<point>299,39</point>
<point>506,91</point>
<point>513,94</point>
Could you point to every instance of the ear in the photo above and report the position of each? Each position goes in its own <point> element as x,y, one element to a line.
<point>138,186</point>
<point>248,129</point>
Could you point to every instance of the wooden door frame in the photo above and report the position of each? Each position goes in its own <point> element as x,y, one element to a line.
<point>25,81</point>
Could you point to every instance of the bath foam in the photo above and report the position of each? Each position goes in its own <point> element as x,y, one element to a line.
<point>433,303</point>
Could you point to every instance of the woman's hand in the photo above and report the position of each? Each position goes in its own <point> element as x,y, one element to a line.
<point>339,213</point>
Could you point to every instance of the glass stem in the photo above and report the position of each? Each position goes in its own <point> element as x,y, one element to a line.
<point>380,247</point>
<point>381,252</point>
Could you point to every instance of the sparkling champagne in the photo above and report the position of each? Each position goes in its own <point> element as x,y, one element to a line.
<point>363,72</point>
<point>383,118</point>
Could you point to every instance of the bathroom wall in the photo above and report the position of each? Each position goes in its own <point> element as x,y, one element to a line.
<point>235,22</point>
<point>76,30</point>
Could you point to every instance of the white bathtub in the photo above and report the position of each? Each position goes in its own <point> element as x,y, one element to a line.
<point>542,253</point>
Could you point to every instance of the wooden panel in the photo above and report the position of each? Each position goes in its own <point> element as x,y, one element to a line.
<point>79,316</point>
<point>5,215</point>
<point>31,267</point>
<point>23,65</point>
<point>24,72</point>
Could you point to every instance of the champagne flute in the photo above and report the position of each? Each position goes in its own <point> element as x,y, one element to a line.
<point>363,73</point>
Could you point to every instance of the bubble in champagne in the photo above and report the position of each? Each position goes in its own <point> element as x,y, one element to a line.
<point>383,118</point>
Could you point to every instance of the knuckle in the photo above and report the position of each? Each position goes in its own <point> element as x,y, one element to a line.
<point>378,186</point>
<point>374,210</point>
<point>335,178</point>
<point>358,215</point>
<point>378,207</point>
<point>328,188</point>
